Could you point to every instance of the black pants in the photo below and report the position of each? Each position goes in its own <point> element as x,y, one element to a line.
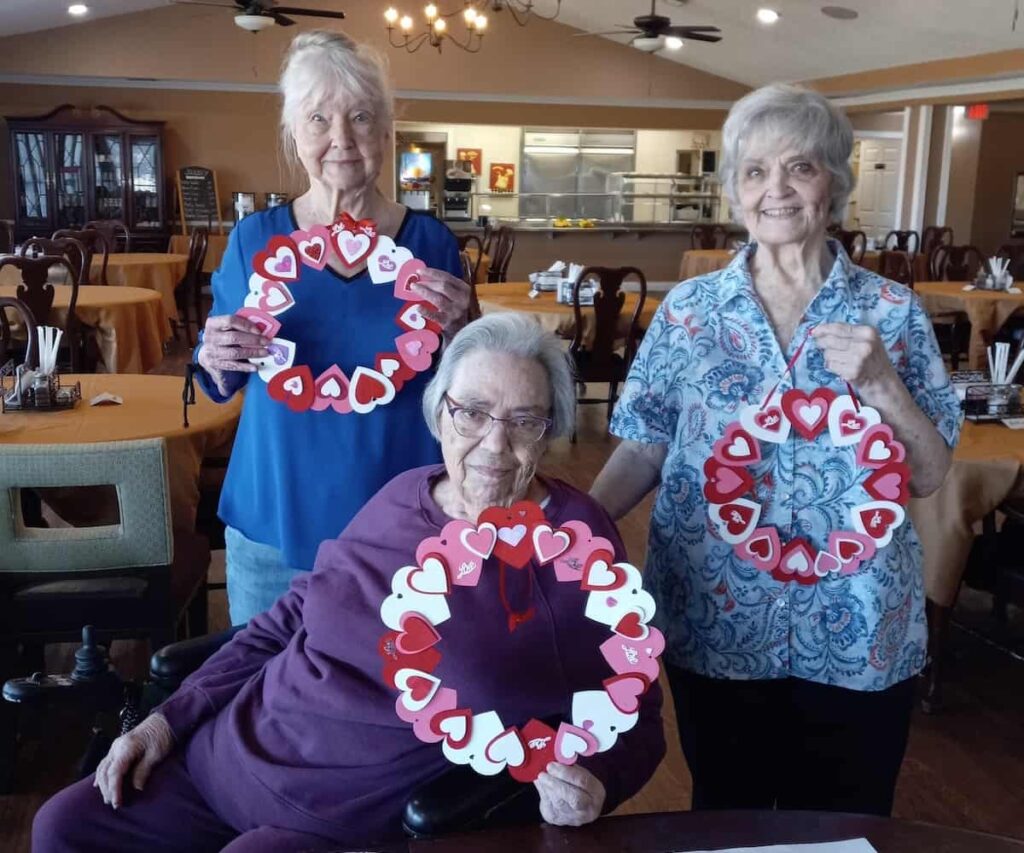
<point>791,744</point>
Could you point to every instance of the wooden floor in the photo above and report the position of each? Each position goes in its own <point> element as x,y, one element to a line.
<point>964,767</point>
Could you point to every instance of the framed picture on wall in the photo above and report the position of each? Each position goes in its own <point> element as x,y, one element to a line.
<point>473,156</point>
<point>503,178</point>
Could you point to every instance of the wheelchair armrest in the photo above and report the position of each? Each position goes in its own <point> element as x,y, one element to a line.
<point>460,799</point>
<point>170,665</point>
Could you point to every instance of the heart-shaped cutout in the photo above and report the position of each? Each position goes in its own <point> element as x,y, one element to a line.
<point>313,245</point>
<point>625,691</point>
<point>368,389</point>
<point>600,574</point>
<point>878,520</point>
<point>723,483</point>
<point>386,260</point>
<point>417,635</point>
<point>431,578</point>
<point>571,742</point>
<point>768,423</point>
<point>737,447</point>
<point>412,319</point>
<point>848,420</point>
<point>878,448</point>
<point>267,324</point>
<point>514,544</point>
<point>417,688</point>
<point>889,483</point>
<point>273,298</point>
<point>735,520</point>
<point>796,562</point>
<point>549,544</point>
<point>455,725</point>
<point>294,388</point>
<point>507,748</point>
<point>408,275</point>
<point>279,261</point>
<point>631,626</point>
<point>762,550</point>
<point>416,348</point>
<point>808,413</point>
<point>332,391</point>
<point>351,248</point>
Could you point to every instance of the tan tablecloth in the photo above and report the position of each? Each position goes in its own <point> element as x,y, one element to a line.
<point>151,270</point>
<point>986,309</point>
<point>152,408</point>
<point>700,261</point>
<point>513,296</point>
<point>214,249</point>
<point>129,323</point>
<point>986,469</point>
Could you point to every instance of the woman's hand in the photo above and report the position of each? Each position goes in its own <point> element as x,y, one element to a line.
<point>856,354</point>
<point>449,296</point>
<point>139,751</point>
<point>569,795</point>
<point>228,341</point>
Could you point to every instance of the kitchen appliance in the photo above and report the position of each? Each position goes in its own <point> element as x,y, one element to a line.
<point>458,199</point>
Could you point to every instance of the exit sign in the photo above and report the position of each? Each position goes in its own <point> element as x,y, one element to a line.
<point>978,112</point>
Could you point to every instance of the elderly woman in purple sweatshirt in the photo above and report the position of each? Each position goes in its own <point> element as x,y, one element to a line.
<point>290,737</point>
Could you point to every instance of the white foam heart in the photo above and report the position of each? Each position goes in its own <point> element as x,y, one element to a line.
<point>281,357</point>
<point>727,524</point>
<point>331,388</point>
<point>294,385</point>
<point>454,727</point>
<point>479,540</point>
<point>874,509</point>
<point>808,413</point>
<point>507,747</point>
<point>402,679</point>
<point>432,578</point>
<point>386,260</point>
<point>351,246</point>
<point>847,420</point>
<point>389,366</point>
<point>512,535</point>
<point>771,418</point>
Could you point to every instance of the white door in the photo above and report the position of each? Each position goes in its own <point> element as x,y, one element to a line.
<point>877,187</point>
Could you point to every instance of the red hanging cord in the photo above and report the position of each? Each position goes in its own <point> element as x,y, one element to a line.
<point>515,617</point>
<point>789,369</point>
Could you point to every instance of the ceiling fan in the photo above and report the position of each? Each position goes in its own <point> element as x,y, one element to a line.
<point>257,15</point>
<point>651,31</point>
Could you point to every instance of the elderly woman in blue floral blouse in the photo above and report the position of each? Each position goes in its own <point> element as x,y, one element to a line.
<point>793,687</point>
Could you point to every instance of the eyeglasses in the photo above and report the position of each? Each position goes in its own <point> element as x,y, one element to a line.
<point>475,423</point>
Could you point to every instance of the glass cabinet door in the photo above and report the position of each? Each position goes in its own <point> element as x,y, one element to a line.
<point>32,173</point>
<point>145,191</point>
<point>108,176</point>
<point>69,200</point>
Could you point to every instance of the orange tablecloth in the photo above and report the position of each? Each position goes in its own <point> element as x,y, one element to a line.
<point>700,261</point>
<point>129,323</point>
<point>151,270</point>
<point>214,249</point>
<point>513,296</point>
<point>986,469</point>
<point>151,409</point>
<point>986,309</point>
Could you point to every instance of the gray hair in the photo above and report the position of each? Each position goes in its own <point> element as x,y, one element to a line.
<point>516,334</point>
<point>797,116</point>
<point>319,63</point>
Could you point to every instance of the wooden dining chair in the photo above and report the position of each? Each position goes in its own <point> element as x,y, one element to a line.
<point>934,235</point>
<point>119,238</point>
<point>78,350</point>
<point>487,238</point>
<point>503,243</point>
<point>854,243</point>
<point>903,241</point>
<point>188,293</point>
<point>956,263</point>
<point>68,248</point>
<point>96,245</point>
<point>705,237</point>
<point>603,358</point>
<point>471,241</point>
<point>896,266</point>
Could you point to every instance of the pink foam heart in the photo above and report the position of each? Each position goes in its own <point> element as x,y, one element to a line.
<point>268,325</point>
<point>762,550</point>
<point>825,563</point>
<point>275,298</point>
<point>548,544</point>
<point>408,275</point>
<point>569,566</point>
<point>417,348</point>
<point>625,691</point>
<point>737,447</point>
<point>625,655</point>
<point>464,564</point>
<point>331,388</point>
<point>571,742</point>
<point>313,245</point>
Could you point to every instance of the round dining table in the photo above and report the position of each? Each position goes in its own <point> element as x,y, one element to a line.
<point>151,408</point>
<point>554,316</point>
<point>159,271</point>
<point>129,323</point>
<point>987,310</point>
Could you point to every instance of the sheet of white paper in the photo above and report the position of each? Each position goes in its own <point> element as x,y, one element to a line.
<point>852,845</point>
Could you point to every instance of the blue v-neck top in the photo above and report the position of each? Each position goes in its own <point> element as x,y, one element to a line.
<point>298,478</point>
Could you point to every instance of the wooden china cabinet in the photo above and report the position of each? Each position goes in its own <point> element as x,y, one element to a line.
<point>73,165</point>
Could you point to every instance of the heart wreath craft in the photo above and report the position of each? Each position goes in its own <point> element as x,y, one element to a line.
<point>413,645</point>
<point>851,426</point>
<point>352,242</point>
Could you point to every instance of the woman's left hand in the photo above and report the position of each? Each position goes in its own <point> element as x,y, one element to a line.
<point>570,795</point>
<point>449,296</point>
<point>854,353</point>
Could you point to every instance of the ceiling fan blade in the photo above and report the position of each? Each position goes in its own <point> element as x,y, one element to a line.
<point>309,13</point>
<point>693,29</point>
<point>280,19</point>
<point>684,33</point>
<point>202,3</point>
<point>629,32</point>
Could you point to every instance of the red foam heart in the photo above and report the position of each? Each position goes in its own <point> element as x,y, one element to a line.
<point>465,714</point>
<point>388,364</point>
<point>763,548</point>
<point>412,318</point>
<point>419,687</point>
<point>631,626</point>
<point>724,483</point>
<point>600,574</point>
<point>416,348</point>
<point>877,521</point>
<point>808,413</point>
<point>408,275</point>
<point>890,483</point>
<point>878,448</point>
<point>293,387</point>
<point>275,298</point>
<point>539,739</point>
<point>352,247</point>
<point>394,660</point>
<point>417,634</point>
<point>313,245</point>
<point>738,447</point>
<point>280,260</point>
<point>796,562</point>
<point>514,544</point>
<point>369,387</point>
<point>625,691</point>
<point>737,517</point>
<point>769,419</point>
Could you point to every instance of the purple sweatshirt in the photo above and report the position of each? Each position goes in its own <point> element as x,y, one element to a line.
<point>292,725</point>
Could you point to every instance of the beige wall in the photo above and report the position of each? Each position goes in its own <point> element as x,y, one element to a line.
<point>938,140</point>
<point>1000,158</point>
<point>963,174</point>
<point>891,122</point>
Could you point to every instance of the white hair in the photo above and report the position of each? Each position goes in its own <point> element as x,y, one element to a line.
<point>320,63</point>
<point>516,334</point>
<point>795,116</point>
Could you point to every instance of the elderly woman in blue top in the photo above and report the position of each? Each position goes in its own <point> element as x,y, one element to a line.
<point>787,695</point>
<point>297,478</point>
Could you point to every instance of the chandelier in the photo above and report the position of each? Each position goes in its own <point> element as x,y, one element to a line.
<point>435,30</point>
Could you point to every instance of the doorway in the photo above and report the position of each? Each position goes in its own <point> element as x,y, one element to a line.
<point>873,205</point>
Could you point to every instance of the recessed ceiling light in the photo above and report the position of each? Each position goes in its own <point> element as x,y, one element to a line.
<point>767,16</point>
<point>673,43</point>
<point>77,9</point>
<point>840,13</point>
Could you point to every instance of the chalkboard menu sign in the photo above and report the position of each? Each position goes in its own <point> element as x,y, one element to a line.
<point>198,196</point>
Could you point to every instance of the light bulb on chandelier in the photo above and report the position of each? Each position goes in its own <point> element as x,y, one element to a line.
<point>435,30</point>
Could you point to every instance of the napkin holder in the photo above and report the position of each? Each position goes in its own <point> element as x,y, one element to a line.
<point>23,388</point>
<point>987,402</point>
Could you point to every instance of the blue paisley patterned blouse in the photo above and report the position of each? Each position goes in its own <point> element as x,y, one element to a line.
<point>710,351</point>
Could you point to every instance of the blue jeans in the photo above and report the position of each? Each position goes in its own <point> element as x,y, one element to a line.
<point>256,576</point>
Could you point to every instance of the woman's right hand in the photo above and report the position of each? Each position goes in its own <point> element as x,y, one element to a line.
<point>139,751</point>
<point>228,342</point>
